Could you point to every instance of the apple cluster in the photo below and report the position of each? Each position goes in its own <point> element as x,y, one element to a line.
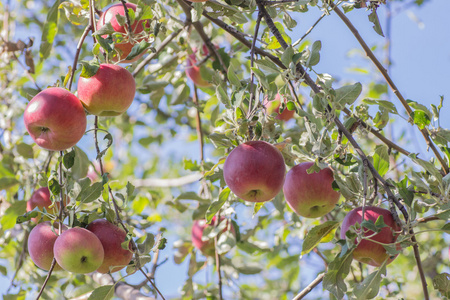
<point>255,171</point>
<point>79,250</point>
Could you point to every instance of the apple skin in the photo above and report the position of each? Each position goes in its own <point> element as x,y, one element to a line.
<point>111,237</point>
<point>109,92</point>
<point>366,251</point>
<point>55,119</point>
<point>310,195</point>
<point>40,198</point>
<point>255,171</point>
<point>274,106</point>
<point>78,250</point>
<point>192,70</point>
<point>206,247</point>
<point>40,244</point>
<point>137,27</point>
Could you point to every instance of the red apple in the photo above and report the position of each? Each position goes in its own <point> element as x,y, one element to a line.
<point>40,244</point>
<point>274,106</point>
<point>109,92</point>
<point>193,71</point>
<point>206,246</point>
<point>310,195</point>
<point>55,119</point>
<point>366,251</point>
<point>78,250</point>
<point>111,238</point>
<point>255,171</point>
<point>125,45</point>
<point>40,198</point>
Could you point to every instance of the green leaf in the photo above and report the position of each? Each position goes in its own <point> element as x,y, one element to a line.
<point>338,270</point>
<point>316,234</point>
<point>147,245</point>
<point>109,138</point>
<point>104,30</point>
<point>268,66</point>
<point>373,17</point>
<point>91,193</point>
<point>381,159</point>
<point>286,57</point>
<point>81,164</point>
<point>257,207</point>
<point>347,94</point>
<point>54,186</point>
<point>138,49</point>
<point>105,292</point>
<point>421,119</point>
<point>25,150</point>
<point>69,159</point>
<point>8,220</point>
<point>220,140</point>
<point>49,31</point>
<point>223,96</point>
<point>383,103</point>
<point>441,282</point>
<point>226,242</point>
<point>217,205</point>
<point>89,68</point>
<point>370,287</point>
<point>314,55</point>
<point>190,196</point>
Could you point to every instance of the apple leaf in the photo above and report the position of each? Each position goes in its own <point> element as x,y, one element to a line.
<point>49,31</point>
<point>257,207</point>
<point>8,220</point>
<point>190,196</point>
<point>347,94</point>
<point>217,205</point>
<point>27,217</point>
<point>146,246</point>
<point>104,30</point>
<point>314,56</point>
<point>54,186</point>
<point>316,234</point>
<point>370,287</point>
<point>69,159</point>
<point>373,17</point>
<point>80,167</point>
<point>109,138</point>
<point>91,193</point>
<point>25,150</point>
<point>138,49</point>
<point>338,270</point>
<point>441,282</point>
<point>381,159</point>
<point>89,68</point>
<point>105,292</point>
<point>7,178</point>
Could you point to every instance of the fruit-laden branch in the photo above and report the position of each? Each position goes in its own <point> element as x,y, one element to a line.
<point>366,161</point>
<point>390,82</point>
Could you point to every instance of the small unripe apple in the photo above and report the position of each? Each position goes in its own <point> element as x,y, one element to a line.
<point>207,246</point>
<point>274,106</point>
<point>367,251</point>
<point>310,195</point>
<point>109,92</point>
<point>255,171</point>
<point>40,244</point>
<point>78,250</point>
<point>192,70</point>
<point>55,119</point>
<point>124,47</point>
<point>111,238</point>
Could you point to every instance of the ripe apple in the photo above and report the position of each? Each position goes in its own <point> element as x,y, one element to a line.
<point>40,198</point>
<point>255,171</point>
<point>207,246</point>
<point>78,250</point>
<point>111,237</point>
<point>310,195</point>
<point>366,251</point>
<point>125,45</point>
<point>109,92</point>
<point>274,106</point>
<point>55,119</point>
<point>192,70</point>
<point>40,244</point>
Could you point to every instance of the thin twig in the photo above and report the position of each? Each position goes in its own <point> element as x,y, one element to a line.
<point>77,54</point>
<point>252,61</point>
<point>310,287</point>
<point>217,256</point>
<point>390,82</point>
<point>309,30</point>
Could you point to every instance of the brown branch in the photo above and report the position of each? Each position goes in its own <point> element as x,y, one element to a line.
<point>122,289</point>
<point>217,257</point>
<point>77,53</point>
<point>252,59</point>
<point>127,17</point>
<point>390,82</point>
<point>309,30</point>
<point>310,287</point>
